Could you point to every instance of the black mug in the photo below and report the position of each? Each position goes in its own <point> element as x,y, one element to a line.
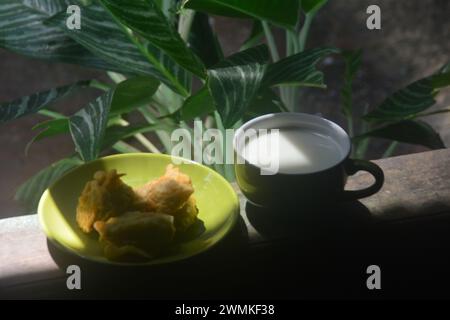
<point>306,189</point>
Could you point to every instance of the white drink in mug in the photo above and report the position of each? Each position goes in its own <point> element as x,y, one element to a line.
<point>295,150</point>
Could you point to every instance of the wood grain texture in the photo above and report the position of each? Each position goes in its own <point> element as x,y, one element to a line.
<point>414,185</point>
<point>406,224</point>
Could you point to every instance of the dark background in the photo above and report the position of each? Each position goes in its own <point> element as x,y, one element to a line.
<point>414,42</point>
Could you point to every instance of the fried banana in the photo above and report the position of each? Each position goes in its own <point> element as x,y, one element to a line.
<point>135,235</point>
<point>168,193</point>
<point>185,217</point>
<point>103,197</point>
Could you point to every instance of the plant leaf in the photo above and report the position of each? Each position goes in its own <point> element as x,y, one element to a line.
<point>408,102</point>
<point>197,105</point>
<point>168,7</point>
<point>114,134</point>
<point>282,13</point>
<point>298,69</point>
<point>128,95</point>
<point>133,93</point>
<point>408,131</point>
<point>35,102</point>
<point>203,41</point>
<point>259,54</point>
<point>255,35</point>
<point>52,127</point>
<point>202,104</point>
<point>352,63</point>
<point>102,35</point>
<point>234,82</point>
<point>147,20</point>
<point>49,128</point>
<point>445,68</point>
<point>312,6</point>
<point>266,101</point>
<point>30,192</point>
<point>88,125</point>
<point>22,30</point>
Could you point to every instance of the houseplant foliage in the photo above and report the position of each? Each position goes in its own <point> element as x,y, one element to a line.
<point>154,50</point>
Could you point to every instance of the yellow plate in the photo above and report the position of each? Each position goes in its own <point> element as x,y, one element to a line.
<point>217,202</point>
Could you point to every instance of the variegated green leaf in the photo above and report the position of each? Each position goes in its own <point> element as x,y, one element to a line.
<point>281,12</point>
<point>203,41</point>
<point>202,103</point>
<point>258,54</point>
<point>88,125</point>
<point>298,69</point>
<point>115,133</point>
<point>169,8</point>
<point>147,20</point>
<point>255,36</point>
<point>266,101</point>
<point>22,30</point>
<point>409,101</point>
<point>49,7</point>
<point>105,37</point>
<point>30,192</point>
<point>175,77</point>
<point>35,102</point>
<point>128,95</point>
<point>48,129</point>
<point>197,105</point>
<point>234,82</point>
<point>408,131</point>
<point>133,93</point>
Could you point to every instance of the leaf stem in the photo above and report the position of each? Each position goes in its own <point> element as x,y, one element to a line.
<point>305,31</point>
<point>220,168</point>
<point>390,150</point>
<point>185,23</point>
<point>124,147</point>
<point>350,125</point>
<point>162,135</point>
<point>299,43</point>
<point>289,44</point>
<point>433,113</point>
<point>146,143</point>
<point>271,41</point>
<point>51,114</point>
<point>362,146</point>
<point>99,85</point>
<point>116,77</point>
<point>228,171</point>
<point>141,138</point>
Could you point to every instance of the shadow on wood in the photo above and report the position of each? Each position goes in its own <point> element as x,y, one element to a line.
<point>208,275</point>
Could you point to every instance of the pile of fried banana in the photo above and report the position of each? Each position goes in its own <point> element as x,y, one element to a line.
<point>137,224</point>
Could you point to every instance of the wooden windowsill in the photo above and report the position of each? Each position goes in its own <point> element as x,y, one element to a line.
<point>407,221</point>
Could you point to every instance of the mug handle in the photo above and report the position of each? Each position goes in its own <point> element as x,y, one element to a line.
<point>354,166</point>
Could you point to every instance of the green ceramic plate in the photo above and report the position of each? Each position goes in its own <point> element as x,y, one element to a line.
<point>217,202</point>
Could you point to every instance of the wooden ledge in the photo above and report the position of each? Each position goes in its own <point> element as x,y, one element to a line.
<point>412,212</point>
